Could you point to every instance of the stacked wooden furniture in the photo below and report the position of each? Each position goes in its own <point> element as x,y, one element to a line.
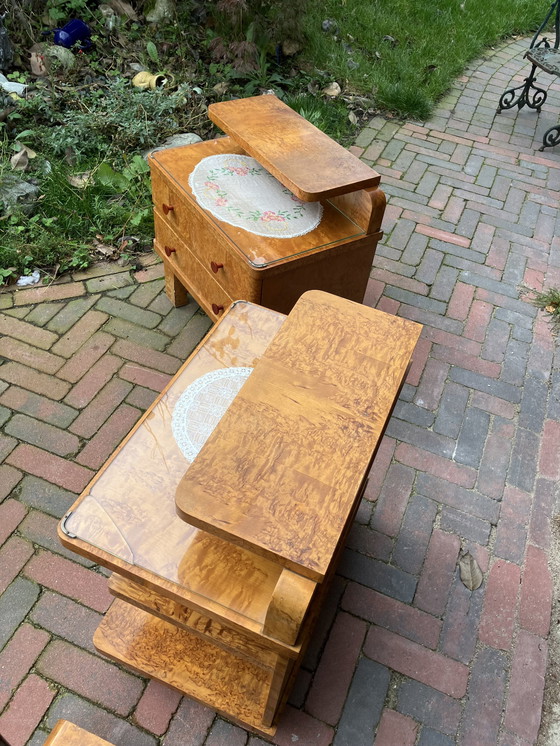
<point>220,602</point>
<point>218,263</point>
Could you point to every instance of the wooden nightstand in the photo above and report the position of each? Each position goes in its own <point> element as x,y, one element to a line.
<point>220,602</point>
<point>218,263</point>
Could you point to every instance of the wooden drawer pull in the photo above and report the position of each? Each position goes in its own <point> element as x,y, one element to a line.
<point>167,208</point>
<point>169,250</point>
<point>215,266</point>
<point>217,309</point>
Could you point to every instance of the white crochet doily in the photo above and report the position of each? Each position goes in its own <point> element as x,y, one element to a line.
<point>239,191</point>
<point>202,405</point>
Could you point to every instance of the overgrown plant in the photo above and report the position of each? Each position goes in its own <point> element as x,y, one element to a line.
<point>406,52</point>
<point>111,122</point>
<point>549,301</point>
<point>247,29</point>
<point>61,10</point>
<point>70,219</point>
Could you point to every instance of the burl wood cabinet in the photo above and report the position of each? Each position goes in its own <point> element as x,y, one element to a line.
<point>218,263</point>
<point>221,562</point>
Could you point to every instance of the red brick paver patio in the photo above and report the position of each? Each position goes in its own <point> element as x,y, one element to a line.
<point>404,654</point>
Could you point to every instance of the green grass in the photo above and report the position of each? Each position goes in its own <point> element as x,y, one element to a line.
<point>69,219</point>
<point>433,42</point>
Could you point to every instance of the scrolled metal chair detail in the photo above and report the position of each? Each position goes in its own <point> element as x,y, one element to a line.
<point>543,53</point>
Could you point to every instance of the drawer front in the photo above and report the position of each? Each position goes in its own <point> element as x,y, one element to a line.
<point>212,296</point>
<point>207,245</point>
<point>171,204</point>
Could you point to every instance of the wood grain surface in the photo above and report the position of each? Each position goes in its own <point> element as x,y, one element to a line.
<point>126,518</point>
<point>282,471</point>
<point>300,156</point>
<point>288,606</point>
<point>195,667</point>
<point>224,636</point>
<point>203,233</point>
<point>65,733</point>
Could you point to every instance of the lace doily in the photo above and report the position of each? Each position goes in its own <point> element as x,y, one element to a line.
<point>202,405</point>
<point>239,191</point>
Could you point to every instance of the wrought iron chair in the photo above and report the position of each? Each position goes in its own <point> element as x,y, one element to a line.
<point>543,53</point>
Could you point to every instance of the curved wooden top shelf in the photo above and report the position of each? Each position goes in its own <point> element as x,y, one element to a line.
<point>281,472</point>
<point>300,156</point>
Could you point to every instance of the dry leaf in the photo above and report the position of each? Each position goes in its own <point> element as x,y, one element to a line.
<point>220,88</point>
<point>80,180</point>
<point>30,153</point>
<point>123,9</point>
<point>291,47</point>
<point>104,249</point>
<point>353,118</point>
<point>471,574</point>
<point>550,309</point>
<point>20,160</point>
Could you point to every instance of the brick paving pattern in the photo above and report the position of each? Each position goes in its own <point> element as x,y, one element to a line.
<point>403,654</point>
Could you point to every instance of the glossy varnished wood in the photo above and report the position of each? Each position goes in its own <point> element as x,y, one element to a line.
<point>335,257</point>
<point>288,606</point>
<point>151,646</point>
<point>345,273</point>
<point>299,155</point>
<point>203,233</point>
<point>232,275</point>
<point>281,472</point>
<point>203,626</point>
<point>65,733</point>
<point>218,621</point>
<point>126,520</point>
<point>208,293</point>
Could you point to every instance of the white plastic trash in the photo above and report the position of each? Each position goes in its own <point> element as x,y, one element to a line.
<point>31,279</point>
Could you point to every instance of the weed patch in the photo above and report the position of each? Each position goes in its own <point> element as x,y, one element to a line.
<point>549,302</point>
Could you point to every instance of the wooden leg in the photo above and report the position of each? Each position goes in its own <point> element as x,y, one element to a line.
<point>176,292</point>
<point>280,675</point>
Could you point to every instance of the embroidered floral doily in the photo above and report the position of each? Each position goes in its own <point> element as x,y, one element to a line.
<point>239,191</point>
<point>202,405</point>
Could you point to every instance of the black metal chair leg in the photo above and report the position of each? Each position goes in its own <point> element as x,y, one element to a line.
<point>551,137</point>
<point>530,95</point>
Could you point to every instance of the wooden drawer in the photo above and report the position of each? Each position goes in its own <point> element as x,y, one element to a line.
<point>209,294</point>
<point>209,246</point>
<point>232,276</point>
<point>169,201</point>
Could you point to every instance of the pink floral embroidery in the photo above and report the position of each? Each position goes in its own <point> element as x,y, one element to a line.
<point>239,170</point>
<point>221,201</point>
<point>211,185</point>
<point>269,216</point>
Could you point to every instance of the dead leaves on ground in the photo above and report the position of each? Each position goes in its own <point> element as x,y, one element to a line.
<point>471,574</point>
<point>20,160</point>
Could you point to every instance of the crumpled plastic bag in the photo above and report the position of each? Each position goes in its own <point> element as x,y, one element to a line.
<point>10,87</point>
<point>31,279</point>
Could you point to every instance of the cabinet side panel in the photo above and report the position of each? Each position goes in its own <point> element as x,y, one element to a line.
<point>345,273</point>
